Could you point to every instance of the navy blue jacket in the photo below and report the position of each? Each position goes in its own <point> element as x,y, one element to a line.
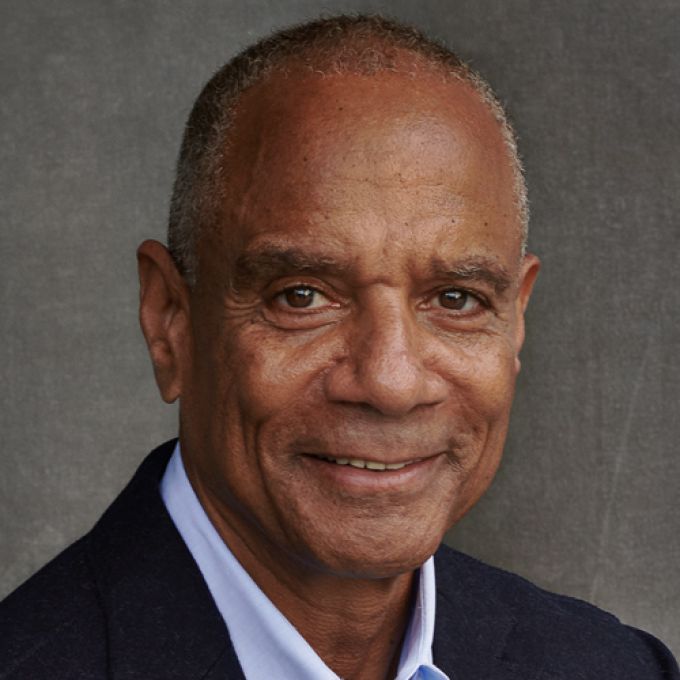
<point>128,602</point>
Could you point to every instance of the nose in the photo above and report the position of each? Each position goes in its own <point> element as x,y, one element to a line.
<point>385,364</point>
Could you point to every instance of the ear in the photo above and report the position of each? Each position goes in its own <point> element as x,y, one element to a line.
<point>529,269</point>
<point>164,316</point>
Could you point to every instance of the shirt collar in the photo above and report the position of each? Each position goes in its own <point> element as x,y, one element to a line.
<point>266,643</point>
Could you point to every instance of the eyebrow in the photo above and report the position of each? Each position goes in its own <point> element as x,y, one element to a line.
<point>271,261</point>
<point>473,269</point>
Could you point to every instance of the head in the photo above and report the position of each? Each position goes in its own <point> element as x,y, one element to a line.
<point>365,45</point>
<point>342,311</point>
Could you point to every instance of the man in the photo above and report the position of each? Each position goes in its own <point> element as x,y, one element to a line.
<point>340,315</point>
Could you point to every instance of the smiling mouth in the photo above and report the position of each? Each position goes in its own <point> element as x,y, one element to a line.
<point>366,464</point>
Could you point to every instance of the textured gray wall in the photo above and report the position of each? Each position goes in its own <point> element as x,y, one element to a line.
<point>95,94</point>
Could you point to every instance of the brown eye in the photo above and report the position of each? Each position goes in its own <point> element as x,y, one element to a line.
<point>302,298</point>
<point>455,299</point>
<point>299,296</point>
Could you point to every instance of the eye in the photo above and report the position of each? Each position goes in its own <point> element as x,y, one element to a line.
<point>457,300</point>
<point>301,297</point>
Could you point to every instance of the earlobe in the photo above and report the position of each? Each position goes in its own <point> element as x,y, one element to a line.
<point>164,317</point>
<point>518,364</point>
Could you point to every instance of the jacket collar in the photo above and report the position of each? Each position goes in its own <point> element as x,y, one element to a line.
<point>163,623</point>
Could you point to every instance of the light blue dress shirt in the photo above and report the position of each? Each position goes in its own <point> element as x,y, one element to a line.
<point>266,643</point>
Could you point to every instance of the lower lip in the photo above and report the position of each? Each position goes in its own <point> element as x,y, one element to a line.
<point>365,480</point>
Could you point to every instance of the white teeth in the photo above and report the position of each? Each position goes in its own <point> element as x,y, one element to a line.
<point>365,464</point>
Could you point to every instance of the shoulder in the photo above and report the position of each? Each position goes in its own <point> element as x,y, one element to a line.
<point>53,614</point>
<point>127,599</point>
<point>58,623</point>
<point>548,631</point>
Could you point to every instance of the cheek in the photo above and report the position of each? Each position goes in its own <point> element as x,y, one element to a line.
<point>482,373</point>
<point>274,373</point>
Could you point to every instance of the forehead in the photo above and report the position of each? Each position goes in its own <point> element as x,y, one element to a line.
<point>379,159</point>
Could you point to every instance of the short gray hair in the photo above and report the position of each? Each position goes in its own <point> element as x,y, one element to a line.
<point>341,44</point>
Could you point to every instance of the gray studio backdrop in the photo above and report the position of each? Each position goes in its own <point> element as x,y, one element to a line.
<point>94,98</point>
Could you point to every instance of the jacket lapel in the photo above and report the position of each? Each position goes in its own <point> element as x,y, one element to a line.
<point>473,626</point>
<point>163,623</point>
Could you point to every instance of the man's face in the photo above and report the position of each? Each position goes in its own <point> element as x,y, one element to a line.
<point>356,321</point>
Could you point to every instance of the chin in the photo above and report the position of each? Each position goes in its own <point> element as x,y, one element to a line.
<point>373,557</point>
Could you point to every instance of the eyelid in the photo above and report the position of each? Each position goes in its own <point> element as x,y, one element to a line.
<point>480,297</point>
<point>283,284</point>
